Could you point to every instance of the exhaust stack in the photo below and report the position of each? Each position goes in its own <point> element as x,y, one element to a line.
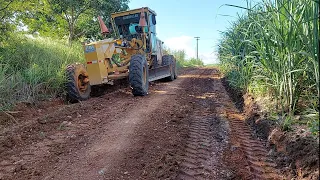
<point>103,27</point>
<point>142,21</point>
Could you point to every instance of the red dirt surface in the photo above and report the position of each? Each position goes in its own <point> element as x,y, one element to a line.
<point>185,129</point>
<point>295,153</point>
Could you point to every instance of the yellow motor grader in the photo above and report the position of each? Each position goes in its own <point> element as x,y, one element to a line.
<point>136,53</point>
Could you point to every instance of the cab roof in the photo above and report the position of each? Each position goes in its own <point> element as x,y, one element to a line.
<point>133,11</point>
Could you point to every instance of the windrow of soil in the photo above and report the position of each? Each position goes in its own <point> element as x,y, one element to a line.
<point>295,152</point>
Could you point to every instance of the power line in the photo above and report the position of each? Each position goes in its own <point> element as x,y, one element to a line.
<point>197,38</point>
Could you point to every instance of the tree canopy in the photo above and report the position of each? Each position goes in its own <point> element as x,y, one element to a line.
<point>72,19</point>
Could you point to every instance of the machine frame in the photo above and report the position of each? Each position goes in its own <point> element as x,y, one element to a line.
<point>110,59</point>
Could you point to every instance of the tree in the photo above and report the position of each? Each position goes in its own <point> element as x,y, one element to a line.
<point>74,18</point>
<point>7,18</point>
<point>4,25</point>
<point>41,18</point>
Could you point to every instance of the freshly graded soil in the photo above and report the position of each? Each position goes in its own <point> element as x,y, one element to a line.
<point>185,129</point>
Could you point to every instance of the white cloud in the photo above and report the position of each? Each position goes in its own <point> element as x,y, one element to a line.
<point>181,43</point>
<point>209,58</point>
<point>187,43</point>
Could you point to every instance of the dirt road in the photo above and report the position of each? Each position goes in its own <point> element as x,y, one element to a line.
<point>185,129</point>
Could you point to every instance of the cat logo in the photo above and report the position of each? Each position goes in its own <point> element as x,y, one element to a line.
<point>130,16</point>
<point>90,49</point>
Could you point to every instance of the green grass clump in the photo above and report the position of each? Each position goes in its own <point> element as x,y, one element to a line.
<point>273,50</point>
<point>216,65</point>
<point>193,62</point>
<point>33,68</point>
<point>182,60</point>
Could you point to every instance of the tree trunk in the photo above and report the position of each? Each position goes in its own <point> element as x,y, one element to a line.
<point>71,27</point>
<point>71,35</point>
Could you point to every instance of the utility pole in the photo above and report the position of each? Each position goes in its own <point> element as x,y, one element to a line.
<point>197,38</point>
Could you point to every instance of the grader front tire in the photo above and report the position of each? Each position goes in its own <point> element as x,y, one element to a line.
<point>77,86</point>
<point>139,75</point>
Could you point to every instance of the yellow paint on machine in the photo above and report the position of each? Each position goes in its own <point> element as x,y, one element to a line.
<point>97,52</point>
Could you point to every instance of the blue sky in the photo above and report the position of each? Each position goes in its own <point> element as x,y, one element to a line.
<point>179,21</point>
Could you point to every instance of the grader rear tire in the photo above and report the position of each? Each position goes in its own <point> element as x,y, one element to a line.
<point>175,73</point>
<point>168,60</point>
<point>139,75</point>
<point>77,86</point>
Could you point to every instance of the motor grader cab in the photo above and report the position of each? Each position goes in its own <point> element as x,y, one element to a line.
<point>135,53</point>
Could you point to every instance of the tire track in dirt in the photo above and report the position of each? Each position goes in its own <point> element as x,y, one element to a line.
<point>207,134</point>
<point>196,163</point>
<point>247,155</point>
<point>202,160</point>
<point>259,166</point>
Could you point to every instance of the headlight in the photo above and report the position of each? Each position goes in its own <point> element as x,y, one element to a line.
<point>119,42</point>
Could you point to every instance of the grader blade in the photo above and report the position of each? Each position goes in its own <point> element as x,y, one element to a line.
<point>159,73</point>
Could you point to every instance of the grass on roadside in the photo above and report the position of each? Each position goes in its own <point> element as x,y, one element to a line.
<point>33,68</point>
<point>182,60</point>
